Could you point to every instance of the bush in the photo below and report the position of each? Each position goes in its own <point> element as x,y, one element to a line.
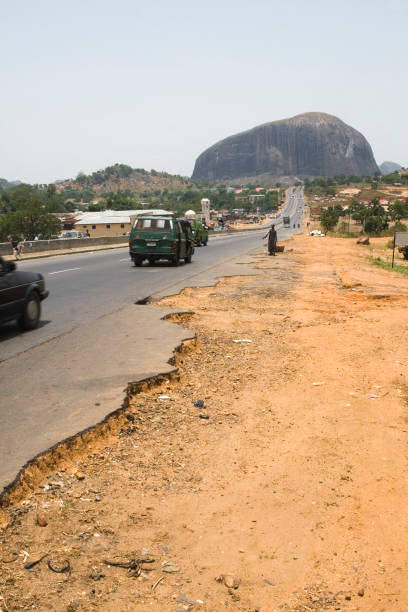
<point>399,227</point>
<point>329,218</point>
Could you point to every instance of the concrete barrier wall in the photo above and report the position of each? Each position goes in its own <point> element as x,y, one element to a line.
<point>38,246</point>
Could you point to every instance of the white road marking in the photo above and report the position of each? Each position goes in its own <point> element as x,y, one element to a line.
<point>67,270</point>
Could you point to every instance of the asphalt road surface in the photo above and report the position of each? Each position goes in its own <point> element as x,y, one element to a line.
<point>85,286</point>
<point>91,341</point>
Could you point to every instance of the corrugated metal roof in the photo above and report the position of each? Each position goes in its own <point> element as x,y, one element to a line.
<point>98,220</point>
<point>115,216</point>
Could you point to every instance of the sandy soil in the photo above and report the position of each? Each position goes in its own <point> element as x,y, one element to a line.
<point>286,491</point>
<point>402,191</point>
<point>350,191</point>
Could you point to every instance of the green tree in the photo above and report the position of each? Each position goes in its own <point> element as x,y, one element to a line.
<point>375,224</point>
<point>51,190</point>
<point>372,216</point>
<point>398,210</point>
<point>81,178</point>
<point>29,224</point>
<point>329,218</point>
<point>20,197</point>
<point>27,215</point>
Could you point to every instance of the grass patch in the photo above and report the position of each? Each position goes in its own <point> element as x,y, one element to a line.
<point>340,234</point>
<point>380,247</point>
<point>386,265</point>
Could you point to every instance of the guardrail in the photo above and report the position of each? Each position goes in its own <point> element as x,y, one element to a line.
<point>38,246</point>
<point>64,244</point>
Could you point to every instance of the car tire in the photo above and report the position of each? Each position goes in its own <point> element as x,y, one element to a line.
<point>189,256</point>
<point>151,261</point>
<point>205,243</point>
<point>31,313</point>
<point>176,260</point>
<point>137,262</point>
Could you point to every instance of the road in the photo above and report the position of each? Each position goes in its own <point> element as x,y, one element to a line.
<point>86,286</point>
<point>294,209</point>
<point>92,341</point>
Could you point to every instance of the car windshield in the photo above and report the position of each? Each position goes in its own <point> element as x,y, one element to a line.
<point>153,225</point>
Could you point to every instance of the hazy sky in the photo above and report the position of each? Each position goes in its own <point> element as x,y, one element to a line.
<point>88,83</point>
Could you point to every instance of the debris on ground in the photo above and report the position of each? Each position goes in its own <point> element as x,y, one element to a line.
<point>60,569</point>
<point>295,491</point>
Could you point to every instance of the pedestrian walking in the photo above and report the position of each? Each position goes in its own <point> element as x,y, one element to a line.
<point>272,240</point>
<point>17,246</point>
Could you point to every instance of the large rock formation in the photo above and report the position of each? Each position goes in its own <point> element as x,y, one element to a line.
<point>305,146</point>
<point>388,167</point>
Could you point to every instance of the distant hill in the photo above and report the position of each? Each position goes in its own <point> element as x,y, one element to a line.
<point>306,146</point>
<point>121,177</point>
<point>6,185</point>
<point>388,167</point>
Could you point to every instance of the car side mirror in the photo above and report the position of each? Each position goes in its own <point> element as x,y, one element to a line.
<point>10,266</point>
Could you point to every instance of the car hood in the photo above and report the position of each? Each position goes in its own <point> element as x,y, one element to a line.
<point>21,277</point>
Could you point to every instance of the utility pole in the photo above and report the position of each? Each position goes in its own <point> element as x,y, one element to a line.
<point>393,252</point>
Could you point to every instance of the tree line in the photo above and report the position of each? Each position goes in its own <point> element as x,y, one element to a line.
<point>26,212</point>
<point>373,217</point>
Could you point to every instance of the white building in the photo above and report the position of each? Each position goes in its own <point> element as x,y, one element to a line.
<point>111,222</point>
<point>205,210</point>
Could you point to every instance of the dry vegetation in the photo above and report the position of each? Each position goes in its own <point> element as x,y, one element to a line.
<point>284,490</point>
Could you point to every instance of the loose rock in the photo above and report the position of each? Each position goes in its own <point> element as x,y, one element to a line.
<point>169,568</point>
<point>363,240</point>
<point>41,519</point>
<point>229,580</point>
<point>234,596</point>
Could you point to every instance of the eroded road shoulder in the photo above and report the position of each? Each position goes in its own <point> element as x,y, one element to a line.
<point>270,475</point>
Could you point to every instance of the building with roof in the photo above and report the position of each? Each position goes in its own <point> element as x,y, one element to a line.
<point>111,222</point>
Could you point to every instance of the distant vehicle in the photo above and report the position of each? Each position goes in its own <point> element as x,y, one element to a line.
<point>161,237</point>
<point>286,221</point>
<point>316,233</point>
<point>21,294</point>
<point>74,235</point>
<point>199,231</point>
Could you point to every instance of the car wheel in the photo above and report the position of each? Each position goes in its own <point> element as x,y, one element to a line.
<point>137,262</point>
<point>176,260</point>
<point>31,314</point>
<point>151,261</point>
<point>189,256</point>
<point>205,243</point>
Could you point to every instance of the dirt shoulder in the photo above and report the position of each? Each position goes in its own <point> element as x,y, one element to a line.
<point>288,485</point>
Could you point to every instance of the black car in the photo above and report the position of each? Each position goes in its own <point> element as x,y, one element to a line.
<point>21,294</point>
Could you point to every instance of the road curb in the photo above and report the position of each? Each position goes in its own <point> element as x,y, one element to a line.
<point>28,256</point>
